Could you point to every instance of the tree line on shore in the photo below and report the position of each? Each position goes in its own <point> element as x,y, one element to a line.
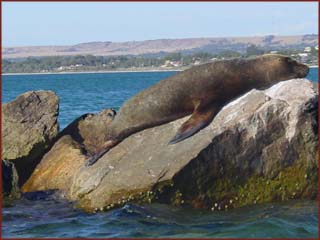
<point>102,63</point>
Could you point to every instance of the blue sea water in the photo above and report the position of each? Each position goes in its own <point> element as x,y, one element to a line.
<point>50,217</point>
<point>88,92</point>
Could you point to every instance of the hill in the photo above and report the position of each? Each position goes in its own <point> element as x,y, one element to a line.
<point>163,46</point>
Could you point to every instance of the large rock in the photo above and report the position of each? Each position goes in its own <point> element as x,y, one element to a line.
<point>29,125</point>
<point>261,147</point>
<point>64,160</point>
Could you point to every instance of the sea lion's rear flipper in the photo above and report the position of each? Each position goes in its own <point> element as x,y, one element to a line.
<point>198,120</point>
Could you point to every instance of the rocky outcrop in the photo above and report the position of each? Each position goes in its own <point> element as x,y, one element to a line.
<point>29,125</point>
<point>261,147</point>
<point>65,159</point>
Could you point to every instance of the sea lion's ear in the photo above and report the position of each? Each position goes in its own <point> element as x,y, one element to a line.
<point>197,121</point>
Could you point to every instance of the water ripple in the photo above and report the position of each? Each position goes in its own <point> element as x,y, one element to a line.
<point>48,216</point>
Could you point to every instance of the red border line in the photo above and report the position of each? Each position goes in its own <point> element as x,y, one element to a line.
<point>318,128</point>
<point>1,120</point>
<point>158,1</point>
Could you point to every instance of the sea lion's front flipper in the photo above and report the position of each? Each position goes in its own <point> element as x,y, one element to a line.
<point>108,145</point>
<point>95,158</point>
<point>198,120</point>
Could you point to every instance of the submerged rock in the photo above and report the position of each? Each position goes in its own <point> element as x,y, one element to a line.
<point>261,147</point>
<point>29,125</point>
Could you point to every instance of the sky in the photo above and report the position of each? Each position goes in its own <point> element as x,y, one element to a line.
<point>67,23</point>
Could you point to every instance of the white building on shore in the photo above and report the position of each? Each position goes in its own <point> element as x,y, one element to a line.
<point>307,49</point>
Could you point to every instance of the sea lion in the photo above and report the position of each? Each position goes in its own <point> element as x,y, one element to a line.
<point>201,91</point>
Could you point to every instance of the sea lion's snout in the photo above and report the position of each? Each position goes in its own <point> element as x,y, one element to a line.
<point>301,70</point>
<point>284,68</point>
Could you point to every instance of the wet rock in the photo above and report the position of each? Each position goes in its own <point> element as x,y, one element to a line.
<point>29,125</point>
<point>261,147</point>
<point>10,178</point>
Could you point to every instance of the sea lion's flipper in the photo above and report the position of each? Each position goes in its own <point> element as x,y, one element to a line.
<point>106,148</point>
<point>197,121</point>
<point>95,158</point>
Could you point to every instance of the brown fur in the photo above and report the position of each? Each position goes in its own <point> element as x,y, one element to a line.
<point>202,90</point>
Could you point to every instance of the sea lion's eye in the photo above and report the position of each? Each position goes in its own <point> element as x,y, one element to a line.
<point>112,113</point>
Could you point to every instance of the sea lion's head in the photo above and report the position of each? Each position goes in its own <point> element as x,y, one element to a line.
<point>277,68</point>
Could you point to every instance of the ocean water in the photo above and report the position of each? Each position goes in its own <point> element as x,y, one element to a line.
<point>82,93</point>
<point>49,217</point>
<point>88,92</point>
<point>42,215</point>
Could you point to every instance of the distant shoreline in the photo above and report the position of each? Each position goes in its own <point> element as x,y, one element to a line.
<point>83,72</point>
<point>114,71</point>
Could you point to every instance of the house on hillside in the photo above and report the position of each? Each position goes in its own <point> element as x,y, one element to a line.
<point>307,49</point>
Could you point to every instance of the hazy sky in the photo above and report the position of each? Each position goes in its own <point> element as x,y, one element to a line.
<point>25,24</point>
